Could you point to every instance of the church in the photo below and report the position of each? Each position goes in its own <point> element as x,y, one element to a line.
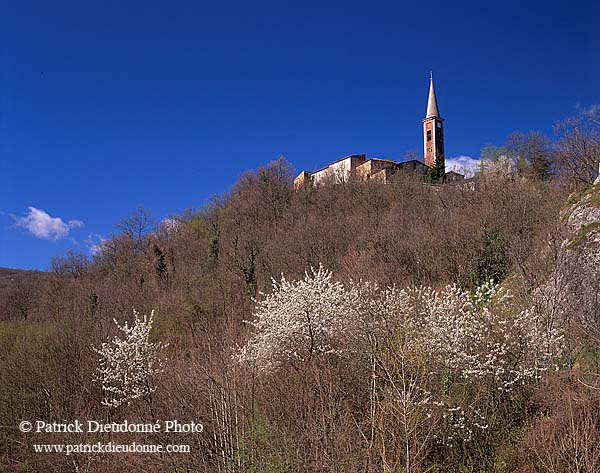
<point>358,166</point>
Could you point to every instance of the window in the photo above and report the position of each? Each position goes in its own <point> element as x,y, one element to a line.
<point>428,135</point>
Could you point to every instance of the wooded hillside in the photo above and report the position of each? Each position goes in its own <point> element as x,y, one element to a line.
<point>369,382</point>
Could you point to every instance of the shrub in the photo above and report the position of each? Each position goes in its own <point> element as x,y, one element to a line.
<point>448,363</point>
<point>126,365</point>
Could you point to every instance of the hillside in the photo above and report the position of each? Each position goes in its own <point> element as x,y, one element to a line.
<point>10,275</point>
<point>18,292</point>
<point>433,332</point>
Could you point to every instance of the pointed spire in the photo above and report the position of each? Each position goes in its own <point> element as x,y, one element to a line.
<point>432,106</point>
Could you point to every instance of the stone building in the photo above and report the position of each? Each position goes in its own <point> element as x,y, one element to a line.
<point>358,166</point>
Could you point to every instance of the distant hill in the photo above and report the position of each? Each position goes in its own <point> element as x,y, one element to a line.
<point>18,291</point>
<point>10,276</point>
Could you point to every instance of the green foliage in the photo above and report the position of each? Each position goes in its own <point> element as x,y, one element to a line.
<point>583,234</point>
<point>92,304</point>
<point>588,197</point>
<point>197,226</point>
<point>437,173</point>
<point>532,153</point>
<point>541,167</point>
<point>492,263</point>
<point>8,332</point>
<point>492,153</point>
<point>213,247</point>
<point>589,357</point>
<point>160,265</point>
<point>263,449</point>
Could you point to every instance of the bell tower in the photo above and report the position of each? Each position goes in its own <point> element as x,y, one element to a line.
<point>433,129</point>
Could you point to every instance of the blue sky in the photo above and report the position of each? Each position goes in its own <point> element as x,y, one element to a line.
<point>107,106</point>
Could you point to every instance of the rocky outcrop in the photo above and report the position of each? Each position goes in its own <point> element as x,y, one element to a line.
<point>571,294</point>
<point>582,219</point>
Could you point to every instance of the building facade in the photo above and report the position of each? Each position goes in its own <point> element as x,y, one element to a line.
<point>357,166</point>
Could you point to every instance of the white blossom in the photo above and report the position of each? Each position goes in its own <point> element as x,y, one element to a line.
<point>301,319</point>
<point>483,340</point>
<point>126,365</point>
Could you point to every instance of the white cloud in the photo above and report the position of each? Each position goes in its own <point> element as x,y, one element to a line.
<point>463,164</point>
<point>95,244</point>
<point>42,225</point>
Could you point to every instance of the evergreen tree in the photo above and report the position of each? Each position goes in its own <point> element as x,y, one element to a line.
<point>160,265</point>
<point>437,173</point>
<point>213,246</point>
<point>492,263</point>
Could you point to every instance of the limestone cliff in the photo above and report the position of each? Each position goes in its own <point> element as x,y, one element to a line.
<point>571,294</point>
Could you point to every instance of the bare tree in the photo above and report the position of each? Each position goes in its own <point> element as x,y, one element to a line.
<point>577,152</point>
<point>73,264</point>
<point>532,153</point>
<point>137,224</point>
<point>22,300</point>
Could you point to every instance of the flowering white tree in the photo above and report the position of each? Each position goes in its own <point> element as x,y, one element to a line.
<point>484,335</point>
<point>300,319</point>
<point>446,355</point>
<point>453,355</point>
<point>127,364</point>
